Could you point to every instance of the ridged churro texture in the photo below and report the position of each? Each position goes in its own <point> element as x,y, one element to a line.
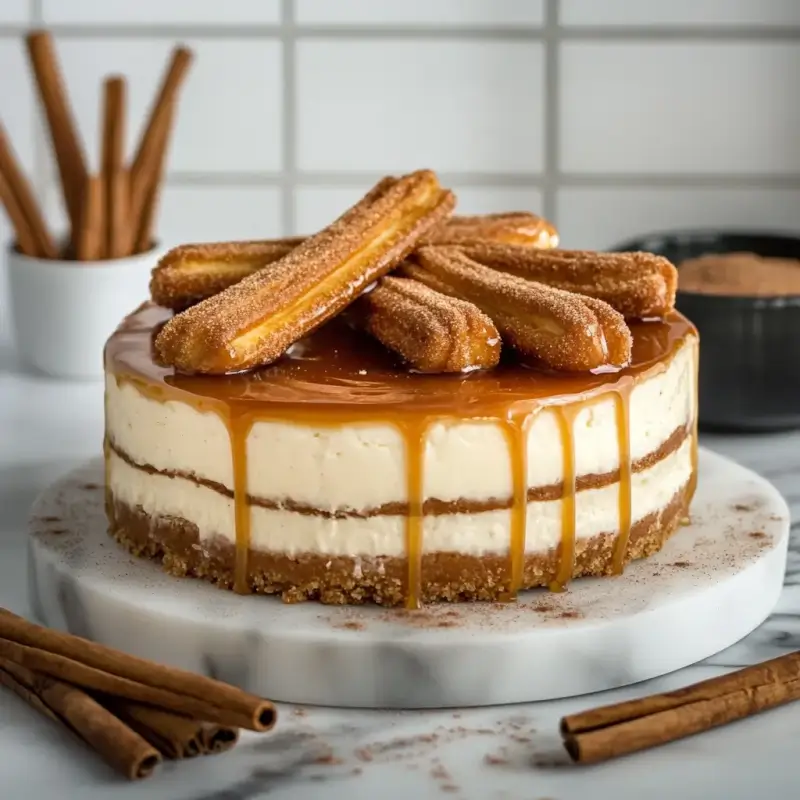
<point>510,227</point>
<point>430,331</point>
<point>188,274</point>
<point>638,285</point>
<point>253,322</point>
<point>562,330</point>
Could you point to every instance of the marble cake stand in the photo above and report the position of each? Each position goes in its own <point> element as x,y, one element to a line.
<point>715,581</point>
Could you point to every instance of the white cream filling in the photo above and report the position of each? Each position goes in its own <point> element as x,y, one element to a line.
<point>363,466</point>
<point>596,511</point>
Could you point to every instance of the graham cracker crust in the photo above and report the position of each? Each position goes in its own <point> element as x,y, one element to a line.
<point>449,577</point>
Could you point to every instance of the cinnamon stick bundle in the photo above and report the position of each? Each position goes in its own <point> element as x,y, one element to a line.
<point>118,221</point>
<point>611,731</point>
<point>131,711</point>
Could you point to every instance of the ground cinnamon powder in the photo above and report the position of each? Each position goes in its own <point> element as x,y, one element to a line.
<point>742,274</point>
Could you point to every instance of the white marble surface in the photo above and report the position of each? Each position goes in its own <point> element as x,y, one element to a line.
<point>498,753</point>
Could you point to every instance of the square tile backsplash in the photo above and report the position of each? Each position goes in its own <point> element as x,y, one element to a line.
<point>612,117</point>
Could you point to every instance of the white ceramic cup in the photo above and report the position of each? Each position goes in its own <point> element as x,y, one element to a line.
<point>64,311</point>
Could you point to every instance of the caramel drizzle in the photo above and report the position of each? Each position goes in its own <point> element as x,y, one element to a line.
<point>622,410</point>
<point>565,415</point>
<point>516,427</point>
<point>239,425</point>
<point>414,435</point>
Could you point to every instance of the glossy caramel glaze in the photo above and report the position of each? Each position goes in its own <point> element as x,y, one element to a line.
<point>338,376</point>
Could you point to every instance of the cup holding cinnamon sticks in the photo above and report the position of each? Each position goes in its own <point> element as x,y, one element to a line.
<point>69,292</point>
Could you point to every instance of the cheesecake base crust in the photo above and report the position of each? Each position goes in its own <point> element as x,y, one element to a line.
<point>450,577</point>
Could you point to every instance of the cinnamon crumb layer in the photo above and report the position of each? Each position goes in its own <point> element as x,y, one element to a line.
<point>450,577</point>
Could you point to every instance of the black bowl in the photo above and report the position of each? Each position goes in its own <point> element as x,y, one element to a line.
<point>750,346</point>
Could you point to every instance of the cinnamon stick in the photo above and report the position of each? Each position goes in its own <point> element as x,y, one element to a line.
<point>26,243</point>
<point>616,730</point>
<point>146,163</point>
<point>118,224</point>
<point>146,220</point>
<point>102,669</point>
<point>122,748</point>
<point>115,180</point>
<point>89,238</point>
<point>175,736</point>
<point>29,216</point>
<point>63,131</point>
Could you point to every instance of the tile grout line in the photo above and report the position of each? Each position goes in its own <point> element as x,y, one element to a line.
<point>500,181</point>
<point>551,122</point>
<point>289,120</point>
<point>684,33</point>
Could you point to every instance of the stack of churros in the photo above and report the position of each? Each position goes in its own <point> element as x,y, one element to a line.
<point>112,212</point>
<point>462,288</point>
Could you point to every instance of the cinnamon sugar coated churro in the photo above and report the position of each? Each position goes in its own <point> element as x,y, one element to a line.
<point>253,322</point>
<point>193,272</point>
<point>637,285</point>
<point>562,330</point>
<point>511,227</point>
<point>429,330</point>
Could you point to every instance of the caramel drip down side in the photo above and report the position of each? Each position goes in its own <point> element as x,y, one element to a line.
<point>239,425</point>
<point>566,416</point>
<point>414,435</point>
<point>695,419</point>
<point>516,428</point>
<point>622,408</point>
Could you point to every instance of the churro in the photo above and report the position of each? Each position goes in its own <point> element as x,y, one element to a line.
<point>430,331</point>
<point>193,272</point>
<point>253,322</point>
<point>562,330</point>
<point>637,285</point>
<point>511,227</point>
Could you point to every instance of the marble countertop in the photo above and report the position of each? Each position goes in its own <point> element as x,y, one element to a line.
<point>509,752</point>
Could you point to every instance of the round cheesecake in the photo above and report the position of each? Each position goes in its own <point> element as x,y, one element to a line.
<point>338,475</point>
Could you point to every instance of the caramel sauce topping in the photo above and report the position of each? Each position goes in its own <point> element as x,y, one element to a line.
<point>338,376</point>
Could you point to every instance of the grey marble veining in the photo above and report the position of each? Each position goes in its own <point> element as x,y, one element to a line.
<point>501,753</point>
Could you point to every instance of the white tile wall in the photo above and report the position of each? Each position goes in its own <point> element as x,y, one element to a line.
<point>455,13</point>
<point>230,111</point>
<point>680,12</point>
<point>316,206</point>
<point>712,107</point>
<point>397,104</point>
<point>205,213</point>
<point>14,11</point>
<point>16,101</point>
<point>155,12</point>
<point>602,218</point>
<point>614,117</point>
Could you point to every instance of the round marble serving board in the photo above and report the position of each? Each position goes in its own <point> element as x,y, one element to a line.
<point>714,581</point>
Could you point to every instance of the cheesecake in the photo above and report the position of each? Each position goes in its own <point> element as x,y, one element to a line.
<point>409,455</point>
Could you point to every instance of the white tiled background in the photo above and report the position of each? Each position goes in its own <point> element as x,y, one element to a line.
<point>613,117</point>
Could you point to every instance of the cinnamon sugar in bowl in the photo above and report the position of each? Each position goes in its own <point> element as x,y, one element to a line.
<point>742,291</point>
